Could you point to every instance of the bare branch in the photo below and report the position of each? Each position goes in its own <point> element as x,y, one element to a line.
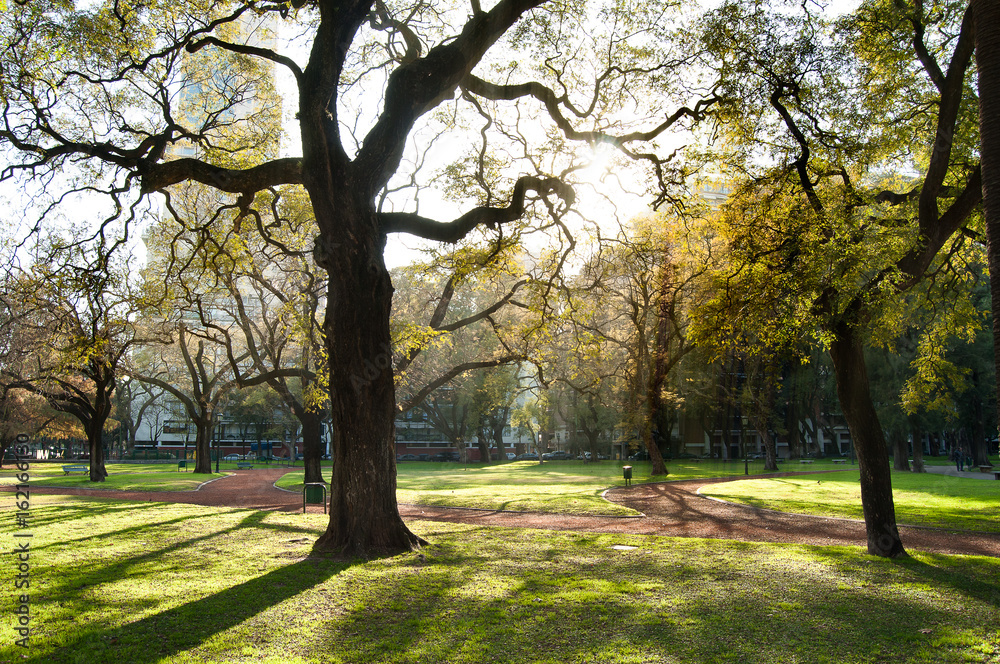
<point>402,222</point>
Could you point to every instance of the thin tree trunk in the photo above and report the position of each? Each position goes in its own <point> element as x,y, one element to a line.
<point>977,444</point>
<point>851,372</point>
<point>900,458</point>
<point>792,425</point>
<point>918,449</point>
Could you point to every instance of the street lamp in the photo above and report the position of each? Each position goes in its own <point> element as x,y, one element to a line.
<point>124,413</point>
<point>218,448</point>
<point>743,444</point>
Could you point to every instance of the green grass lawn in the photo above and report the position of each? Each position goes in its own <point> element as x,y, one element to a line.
<point>921,498</point>
<point>569,487</point>
<point>124,476</point>
<point>173,584</point>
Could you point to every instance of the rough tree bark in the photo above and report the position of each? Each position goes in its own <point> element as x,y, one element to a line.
<point>847,352</point>
<point>312,445</point>
<point>987,20</point>
<point>364,517</point>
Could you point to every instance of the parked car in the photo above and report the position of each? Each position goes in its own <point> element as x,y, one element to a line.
<point>527,456</point>
<point>232,457</point>
<point>406,457</point>
<point>641,455</point>
<point>423,457</point>
<point>446,456</point>
<point>511,456</point>
<point>558,455</point>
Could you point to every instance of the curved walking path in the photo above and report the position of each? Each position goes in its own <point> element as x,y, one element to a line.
<point>668,508</point>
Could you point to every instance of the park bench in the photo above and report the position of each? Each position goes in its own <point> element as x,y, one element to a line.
<point>840,460</point>
<point>244,465</point>
<point>805,460</point>
<point>985,469</point>
<point>75,469</point>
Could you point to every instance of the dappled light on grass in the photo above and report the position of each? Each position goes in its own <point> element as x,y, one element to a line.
<point>564,487</point>
<point>181,583</point>
<point>920,498</point>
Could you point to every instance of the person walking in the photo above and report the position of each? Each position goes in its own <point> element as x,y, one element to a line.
<point>958,454</point>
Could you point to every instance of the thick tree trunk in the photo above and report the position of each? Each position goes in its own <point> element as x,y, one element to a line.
<point>851,373</point>
<point>98,470</point>
<point>987,18</point>
<point>655,456</point>
<point>203,445</point>
<point>94,419</point>
<point>483,443</point>
<point>312,445</point>
<point>364,517</point>
<point>592,443</point>
<point>499,424</point>
<point>977,444</point>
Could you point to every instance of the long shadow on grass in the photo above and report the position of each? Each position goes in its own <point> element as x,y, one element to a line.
<point>683,602</point>
<point>87,511</point>
<point>95,574</point>
<point>164,635</point>
<point>70,508</point>
<point>975,576</point>
<point>175,630</point>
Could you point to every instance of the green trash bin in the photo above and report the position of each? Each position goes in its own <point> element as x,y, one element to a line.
<point>627,474</point>
<point>314,493</point>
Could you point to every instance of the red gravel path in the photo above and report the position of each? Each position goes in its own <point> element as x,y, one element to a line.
<point>669,508</point>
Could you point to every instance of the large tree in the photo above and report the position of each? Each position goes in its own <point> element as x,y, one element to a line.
<point>629,306</point>
<point>820,236</point>
<point>373,75</point>
<point>69,316</point>
<point>196,372</point>
<point>255,296</point>
<point>986,14</point>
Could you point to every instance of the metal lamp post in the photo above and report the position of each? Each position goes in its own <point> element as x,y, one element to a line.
<point>218,447</point>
